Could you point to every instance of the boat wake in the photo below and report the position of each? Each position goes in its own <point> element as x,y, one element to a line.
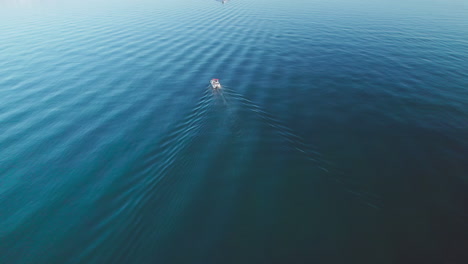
<point>233,101</point>
<point>226,145</point>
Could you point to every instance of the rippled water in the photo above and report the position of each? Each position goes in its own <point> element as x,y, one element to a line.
<point>341,135</point>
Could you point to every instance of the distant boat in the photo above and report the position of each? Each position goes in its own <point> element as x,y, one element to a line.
<point>215,84</point>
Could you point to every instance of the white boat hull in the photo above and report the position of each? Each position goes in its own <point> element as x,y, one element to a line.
<point>215,85</point>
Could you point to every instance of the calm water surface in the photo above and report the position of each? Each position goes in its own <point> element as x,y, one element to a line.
<point>341,135</point>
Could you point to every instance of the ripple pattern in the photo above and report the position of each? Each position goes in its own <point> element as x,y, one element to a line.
<point>339,135</point>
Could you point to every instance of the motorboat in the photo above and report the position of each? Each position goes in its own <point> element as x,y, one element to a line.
<point>215,84</point>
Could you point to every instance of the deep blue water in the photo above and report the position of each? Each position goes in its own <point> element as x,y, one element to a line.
<point>340,136</point>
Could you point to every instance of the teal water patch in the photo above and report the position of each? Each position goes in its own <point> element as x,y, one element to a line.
<point>340,133</point>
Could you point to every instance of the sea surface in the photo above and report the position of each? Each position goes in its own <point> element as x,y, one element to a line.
<point>340,134</point>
